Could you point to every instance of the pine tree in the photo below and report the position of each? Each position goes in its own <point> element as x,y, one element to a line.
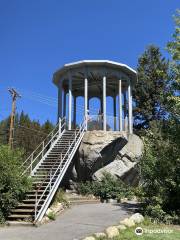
<point>173,48</point>
<point>150,90</point>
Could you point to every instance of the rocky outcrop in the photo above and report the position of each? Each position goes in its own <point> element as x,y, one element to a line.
<point>110,151</point>
<point>124,164</point>
<point>98,149</point>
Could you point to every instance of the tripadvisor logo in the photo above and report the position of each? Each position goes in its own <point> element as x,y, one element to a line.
<point>138,231</point>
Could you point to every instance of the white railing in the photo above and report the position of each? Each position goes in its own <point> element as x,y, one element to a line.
<point>95,122</point>
<point>41,151</point>
<point>54,180</point>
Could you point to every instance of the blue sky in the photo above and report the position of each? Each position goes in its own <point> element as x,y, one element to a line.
<point>39,36</point>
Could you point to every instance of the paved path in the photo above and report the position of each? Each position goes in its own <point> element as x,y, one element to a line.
<point>75,223</point>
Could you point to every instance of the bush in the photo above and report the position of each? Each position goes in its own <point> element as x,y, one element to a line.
<point>12,184</point>
<point>108,188</point>
<point>160,168</point>
<point>51,216</point>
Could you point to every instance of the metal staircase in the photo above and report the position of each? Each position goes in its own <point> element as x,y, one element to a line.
<point>47,166</point>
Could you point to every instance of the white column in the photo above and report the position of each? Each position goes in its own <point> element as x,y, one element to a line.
<point>64,104</point>
<point>130,109</point>
<point>70,103</point>
<point>85,100</point>
<point>104,103</point>
<point>120,106</point>
<point>74,117</point>
<point>125,112</point>
<point>60,101</point>
<point>101,112</point>
<point>114,105</point>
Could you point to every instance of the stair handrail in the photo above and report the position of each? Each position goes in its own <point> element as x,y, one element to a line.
<point>42,147</point>
<point>39,186</point>
<point>37,201</point>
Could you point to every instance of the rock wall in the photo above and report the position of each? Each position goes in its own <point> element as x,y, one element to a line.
<point>110,151</point>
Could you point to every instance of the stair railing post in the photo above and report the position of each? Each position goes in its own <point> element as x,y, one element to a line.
<point>59,126</point>
<point>51,140</point>
<point>69,148</point>
<point>60,161</point>
<point>36,205</point>
<point>50,179</point>
<point>31,163</point>
<point>75,135</point>
<point>42,149</point>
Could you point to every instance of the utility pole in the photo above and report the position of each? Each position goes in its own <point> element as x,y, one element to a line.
<point>14,95</point>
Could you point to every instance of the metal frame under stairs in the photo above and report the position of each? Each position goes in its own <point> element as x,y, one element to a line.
<point>47,165</point>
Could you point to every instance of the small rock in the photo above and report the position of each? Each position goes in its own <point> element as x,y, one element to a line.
<point>100,235</point>
<point>112,200</point>
<point>89,238</point>
<point>124,200</point>
<point>112,232</point>
<point>137,218</point>
<point>121,227</point>
<point>127,222</point>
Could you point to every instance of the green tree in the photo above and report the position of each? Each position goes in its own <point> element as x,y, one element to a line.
<point>47,127</point>
<point>160,171</point>
<point>28,133</point>
<point>150,89</point>
<point>174,49</point>
<point>12,184</point>
<point>4,131</point>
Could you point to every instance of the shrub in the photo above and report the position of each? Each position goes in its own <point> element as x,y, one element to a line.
<point>108,187</point>
<point>12,184</point>
<point>51,216</point>
<point>160,168</point>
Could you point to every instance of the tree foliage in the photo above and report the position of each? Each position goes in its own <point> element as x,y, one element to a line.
<point>150,89</point>
<point>160,169</point>
<point>12,184</point>
<point>108,188</point>
<point>160,165</point>
<point>28,133</point>
<point>174,49</point>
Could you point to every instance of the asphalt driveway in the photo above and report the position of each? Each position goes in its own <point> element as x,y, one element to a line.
<point>75,223</point>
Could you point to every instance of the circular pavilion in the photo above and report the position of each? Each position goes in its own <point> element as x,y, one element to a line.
<point>99,79</point>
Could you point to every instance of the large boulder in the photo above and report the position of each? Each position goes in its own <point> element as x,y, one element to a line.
<point>124,164</point>
<point>112,151</point>
<point>137,218</point>
<point>112,232</point>
<point>98,149</point>
<point>128,222</point>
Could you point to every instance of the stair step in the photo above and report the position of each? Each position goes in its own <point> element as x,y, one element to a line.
<point>24,206</point>
<point>19,223</point>
<point>20,210</point>
<point>32,200</point>
<point>34,191</point>
<point>20,216</point>
<point>33,196</point>
<point>49,165</point>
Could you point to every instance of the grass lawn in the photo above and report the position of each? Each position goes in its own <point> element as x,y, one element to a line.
<point>129,233</point>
